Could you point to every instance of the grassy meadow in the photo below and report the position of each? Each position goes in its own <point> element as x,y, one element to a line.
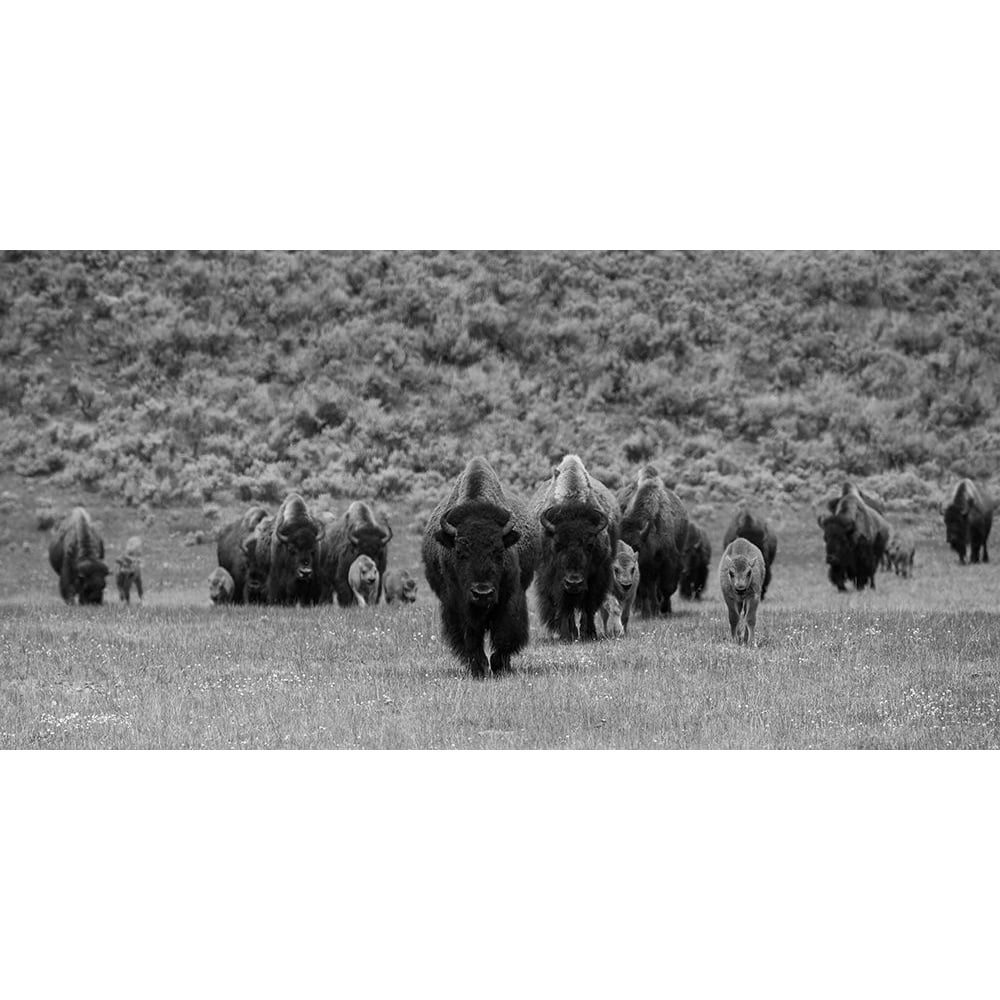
<point>912,665</point>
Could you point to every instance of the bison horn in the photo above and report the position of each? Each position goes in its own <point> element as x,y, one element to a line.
<point>387,531</point>
<point>447,527</point>
<point>543,518</point>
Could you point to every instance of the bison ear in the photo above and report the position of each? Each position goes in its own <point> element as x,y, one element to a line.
<point>512,537</point>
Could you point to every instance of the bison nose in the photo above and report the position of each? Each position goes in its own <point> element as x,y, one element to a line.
<point>483,592</point>
<point>573,581</point>
<point>305,571</point>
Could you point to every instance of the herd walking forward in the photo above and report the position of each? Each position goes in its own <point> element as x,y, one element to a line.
<point>591,555</point>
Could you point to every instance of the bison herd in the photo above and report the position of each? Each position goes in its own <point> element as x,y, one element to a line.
<point>593,555</point>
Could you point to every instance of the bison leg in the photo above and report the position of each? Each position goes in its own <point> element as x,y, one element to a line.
<point>138,586</point>
<point>734,621</point>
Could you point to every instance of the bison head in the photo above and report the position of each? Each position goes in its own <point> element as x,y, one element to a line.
<point>574,532</point>
<point>370,539</point>
<point>479,534</point>
<point>625,569</point>
<point>91,576</point>
<point>298,539</point>
<point>740,574</point>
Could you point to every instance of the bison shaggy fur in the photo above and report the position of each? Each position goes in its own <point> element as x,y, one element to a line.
<point>577,524</point>
<point>76,553</point>
<point>479,552</point>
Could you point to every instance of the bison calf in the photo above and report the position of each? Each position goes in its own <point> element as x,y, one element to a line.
<point>617,607</point>
<point>899,553</point>
<point>398,585</point>
<point>128,572</point>
<point>363,576</point>
<point>741,576</point>
<point>221,587</point>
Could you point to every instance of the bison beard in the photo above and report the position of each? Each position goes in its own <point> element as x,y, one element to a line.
<point>478,554</point>
<point>76,553</point>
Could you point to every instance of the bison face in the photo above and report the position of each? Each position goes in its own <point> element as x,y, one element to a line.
<point>409,589</point>
<point>479,535</point>
<point>956,530</point>
<point>740,576</point>
<point>575,536</point>
<point>90,580</point>
<point>626,571</point>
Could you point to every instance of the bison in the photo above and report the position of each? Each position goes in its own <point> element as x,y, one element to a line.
<point>741,577</point>
<point>479,553</point>
<point>232,552</point>
<point>357,534</point>
<point>855,536</point>
<point>695,559</point>
<point>655,524</point>
<point>128,571</point>
<point>76,553</point>
<point>746,524</point>
<point>616,608</point>
<point>577,521</point>
<point>363,576</point>
<point>292,577</point>
<point>399,585</point>
<point>968,517</point>
<point>221,588</point>
<point>899,553</point>
<point>256,548</point>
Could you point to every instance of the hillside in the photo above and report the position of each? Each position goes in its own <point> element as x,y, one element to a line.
<point>164,378</point>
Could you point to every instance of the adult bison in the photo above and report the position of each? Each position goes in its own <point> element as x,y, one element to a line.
<point>655,524</point>
<point>358,533</point>
<point>292,577</point>
<point>479,553</point>
<point>746,524</point>
<point>577,521</point>
<point>695,558</point>
<point>256,549</point>
<point>968,517</point>
<point>855,536</point>
<point>76,553</point>
<point>231,549</point>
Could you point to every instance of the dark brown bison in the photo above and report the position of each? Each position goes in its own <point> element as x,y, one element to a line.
<point>695,559</point>
<point>968,517</point>
<point>76,553</point>
<point>221,588</point>
<point>655,524</point>
<point>577,522</point>
<point>358,533</point>
<point>292,577</point>
<point>231,549</point>
<point>479,553</point>
<point>399,585</point>
<point>128,569</point>
<point>746,524</point>
<point>855,537</point>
